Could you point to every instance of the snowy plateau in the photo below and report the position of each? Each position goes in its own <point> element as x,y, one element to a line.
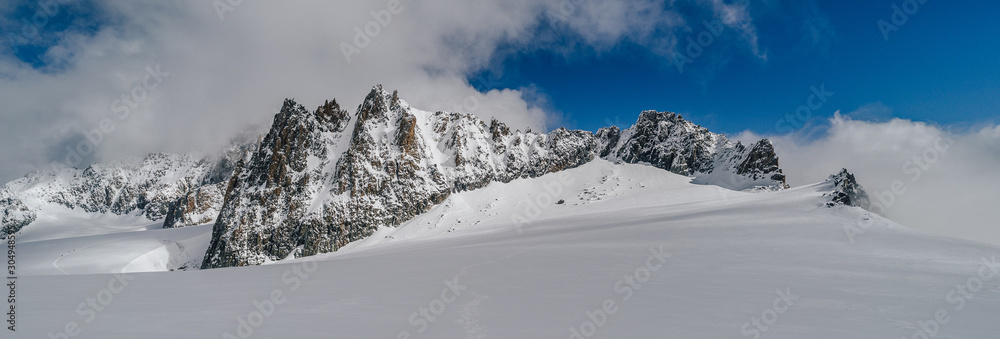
<point>393,222</point>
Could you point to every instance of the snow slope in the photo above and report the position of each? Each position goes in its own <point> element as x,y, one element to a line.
<point>65,241</point>
<point>507,261</point>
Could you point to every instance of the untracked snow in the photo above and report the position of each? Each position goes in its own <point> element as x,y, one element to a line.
<point>509,261</point>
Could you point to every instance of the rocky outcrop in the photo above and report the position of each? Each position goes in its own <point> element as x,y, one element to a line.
<point>667,141</point>
<point>761,163</point>
<point>608,139</point>
<point>314,185</point>
<point>198,206</point>
<point>275,191</point>
<point>846,191</point>
<point>15,216</point>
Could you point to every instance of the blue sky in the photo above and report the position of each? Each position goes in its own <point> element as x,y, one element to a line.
<point>942,66</point>
<point>29,43</point>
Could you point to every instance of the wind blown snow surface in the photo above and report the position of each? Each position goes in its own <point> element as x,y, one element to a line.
<point>631,251</point>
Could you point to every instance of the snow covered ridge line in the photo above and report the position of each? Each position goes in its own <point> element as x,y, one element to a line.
<point>321,179</point>
<point>178,187</point>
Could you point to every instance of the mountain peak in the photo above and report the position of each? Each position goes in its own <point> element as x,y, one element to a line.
<point>377,103</point>
<point>320,179</point>
<point>847,191</point>
<point>761,162</point>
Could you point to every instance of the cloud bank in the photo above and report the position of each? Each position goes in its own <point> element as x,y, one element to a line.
<point>932,178</point>
<point>223,65</point>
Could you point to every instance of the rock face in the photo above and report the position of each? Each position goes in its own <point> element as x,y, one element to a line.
<point>321,179</point>
<point>317,183</point>
<point>147,186</point>
<point>667,141</point>
<point>761,163</point>
<point>847,191</point>
<point>198,206</point>
<point>15,216</point>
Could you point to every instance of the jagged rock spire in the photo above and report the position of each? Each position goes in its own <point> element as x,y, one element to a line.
<point>847,191</point>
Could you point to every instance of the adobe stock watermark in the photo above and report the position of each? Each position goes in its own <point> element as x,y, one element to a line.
<point>422,318</point>
<point>123,107</point>
<point>363,37</point>
<point>563,12</point>
<point>769,316</point>
<point>885,199</point>
<point>91,307</point>
<point>803,114</point>
<point>900,16</point>
<point>697,43</point>
<point>471,103</point>
<point>737,183</point>
<point>225,6</point>
<point>31,29</point>
<point>533,209</point>
<point>626,287</point>
<point>958,296</point>
<point>265,308</point>
<point>12,282</point>
<point>616,122</point>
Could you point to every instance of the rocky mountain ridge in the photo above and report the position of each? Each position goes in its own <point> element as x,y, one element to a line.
<point>151,186</point>
<point>322,178</point>
<point>317,183</point>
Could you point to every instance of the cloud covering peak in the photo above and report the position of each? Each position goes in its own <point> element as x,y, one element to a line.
<point>932,178</point>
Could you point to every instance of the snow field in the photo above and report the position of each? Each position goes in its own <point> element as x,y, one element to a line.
<point>561,272</point>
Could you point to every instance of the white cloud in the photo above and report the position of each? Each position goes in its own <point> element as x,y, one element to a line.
<point>227,74</point>
<point>946,179</point>
<point>737,16</point>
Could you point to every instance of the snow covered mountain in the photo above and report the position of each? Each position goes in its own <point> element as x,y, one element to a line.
<point>321,179</point>
<point>397,222</point>
<point>667,141</point>
<point>157,187</point>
